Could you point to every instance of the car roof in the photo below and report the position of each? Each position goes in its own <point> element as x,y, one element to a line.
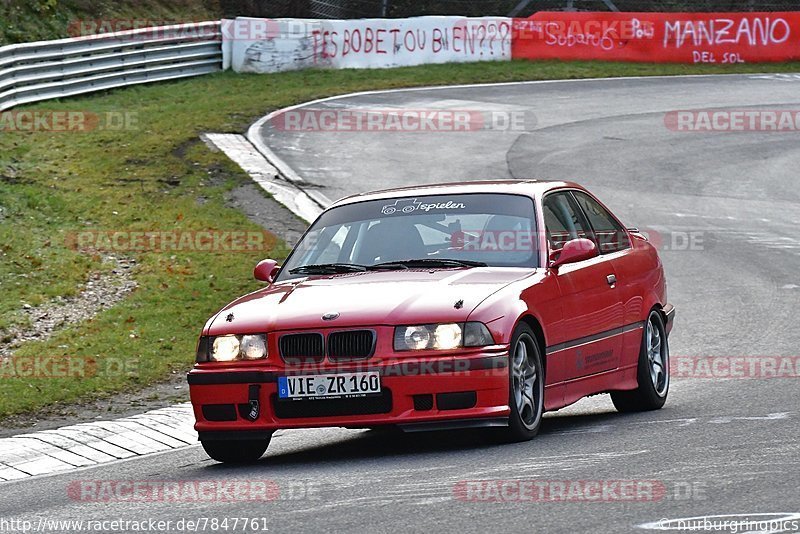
<point>532,188</point>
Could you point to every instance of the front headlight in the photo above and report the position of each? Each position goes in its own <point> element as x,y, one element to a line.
<point>253,347</point>
<point>225,348</point>
<point>413,338</point>
<point>230,348</point>
<point>445,336</point>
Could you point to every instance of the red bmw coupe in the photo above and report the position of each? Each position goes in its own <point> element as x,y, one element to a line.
<point>480,304</point>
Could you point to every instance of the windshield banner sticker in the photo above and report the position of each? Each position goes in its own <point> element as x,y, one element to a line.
<point>409,206</point>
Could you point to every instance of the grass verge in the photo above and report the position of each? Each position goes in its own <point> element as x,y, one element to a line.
<point>160,177</point>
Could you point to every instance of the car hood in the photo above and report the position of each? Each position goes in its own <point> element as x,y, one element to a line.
<point>370,298</point>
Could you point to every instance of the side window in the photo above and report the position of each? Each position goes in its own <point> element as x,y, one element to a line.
<point>610,235</point>
<point>562,220</point>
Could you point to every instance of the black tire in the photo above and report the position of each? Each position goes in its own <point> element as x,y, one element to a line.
<point>652,392</point>
<point>524,424</point>
<point>239,451</point>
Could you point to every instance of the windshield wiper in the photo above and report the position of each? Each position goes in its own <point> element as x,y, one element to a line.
<point>329,268</point>
<point>427,262</point>
<point>339,268</point>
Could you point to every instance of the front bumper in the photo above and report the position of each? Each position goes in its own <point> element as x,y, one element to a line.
<point>416,394</point>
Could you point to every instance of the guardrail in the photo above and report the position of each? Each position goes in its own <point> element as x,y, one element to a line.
<point>31,72</point>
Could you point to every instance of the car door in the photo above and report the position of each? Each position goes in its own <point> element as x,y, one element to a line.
<point>615,245</point>
<point>589,339</point>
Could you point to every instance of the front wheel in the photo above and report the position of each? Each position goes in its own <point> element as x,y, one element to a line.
<point>236,451</point>
<point>526,386</point>
<point>652,372</point>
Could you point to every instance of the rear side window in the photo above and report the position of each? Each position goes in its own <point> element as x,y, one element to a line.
<point>610,235</point>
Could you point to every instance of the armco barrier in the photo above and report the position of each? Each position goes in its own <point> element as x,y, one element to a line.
<point>31,72</point>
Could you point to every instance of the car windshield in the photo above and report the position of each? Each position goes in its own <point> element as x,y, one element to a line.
<point>444,231</point>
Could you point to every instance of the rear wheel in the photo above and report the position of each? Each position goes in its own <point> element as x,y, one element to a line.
<point>652,373</point>
<point>236,451</point>
<point>526,385</point>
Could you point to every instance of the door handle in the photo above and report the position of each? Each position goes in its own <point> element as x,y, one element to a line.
<point>611,279</point>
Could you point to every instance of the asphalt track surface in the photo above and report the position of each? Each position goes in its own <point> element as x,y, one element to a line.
<point>717,447</point>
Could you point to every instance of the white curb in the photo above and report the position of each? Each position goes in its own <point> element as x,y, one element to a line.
<point>87,444</point>
<point>288,193</point>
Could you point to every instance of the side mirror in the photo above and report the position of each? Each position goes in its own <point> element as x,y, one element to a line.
<point>574,251</point>
<point>266,271</point>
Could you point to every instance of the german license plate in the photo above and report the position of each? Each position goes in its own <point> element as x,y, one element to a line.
<point>320,386</point>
